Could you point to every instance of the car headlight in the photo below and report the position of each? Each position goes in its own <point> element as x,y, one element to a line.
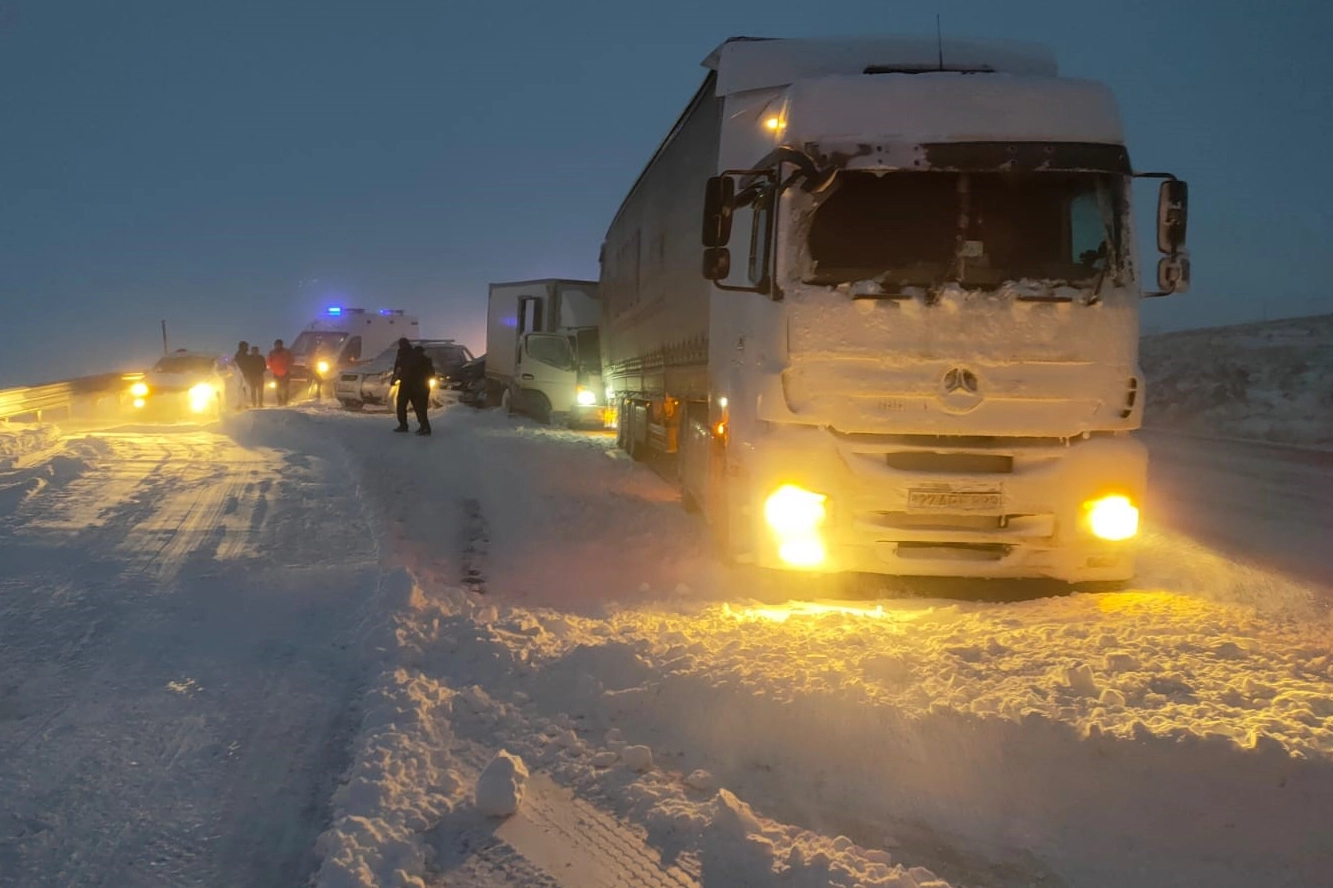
<point>139,390</point>
<point>202,397</point>
<point>433,382</point>
<point>794,515</point>
<point>586,397</point>
<point>322,367</point>
<point>1112,518</point>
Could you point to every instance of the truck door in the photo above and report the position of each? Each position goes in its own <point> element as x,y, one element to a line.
<point>547,373</point>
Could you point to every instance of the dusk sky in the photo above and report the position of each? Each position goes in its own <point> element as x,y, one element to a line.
<point>233,166</point>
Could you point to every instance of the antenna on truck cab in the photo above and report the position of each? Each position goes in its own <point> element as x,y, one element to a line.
<point>939,40</point>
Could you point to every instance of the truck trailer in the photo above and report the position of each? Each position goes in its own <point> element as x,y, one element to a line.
<point>878,302</point>
<point>543,357</point>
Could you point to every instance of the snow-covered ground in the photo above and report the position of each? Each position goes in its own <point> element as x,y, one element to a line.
<point>1269,381</point>
<point>397,616</point>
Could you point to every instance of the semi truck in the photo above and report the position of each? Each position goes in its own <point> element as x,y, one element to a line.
<point>877,301</point>
<point>543,356</point>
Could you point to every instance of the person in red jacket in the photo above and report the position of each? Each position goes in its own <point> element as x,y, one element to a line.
<point>280,365</point>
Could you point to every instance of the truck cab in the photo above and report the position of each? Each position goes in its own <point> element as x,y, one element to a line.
<point>544,351</point>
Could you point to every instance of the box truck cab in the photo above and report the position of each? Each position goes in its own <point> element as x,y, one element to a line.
<point>543,354</point>
<point>913,347</point>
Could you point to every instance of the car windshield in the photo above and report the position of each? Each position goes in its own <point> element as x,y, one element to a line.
<point>193,365</point>
<point>309,341</point>
<point>979,229</point>
<point>451,356</point>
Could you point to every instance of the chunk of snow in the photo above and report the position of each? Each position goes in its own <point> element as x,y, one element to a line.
<point>500,787</point>
<point>637,758</point>
<point>700,779</point>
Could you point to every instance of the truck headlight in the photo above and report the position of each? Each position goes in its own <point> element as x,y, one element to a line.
<point>201,397</point>
<point>585,396</point>
<point>433,382</point>
<point>794,515</point>
<point>1112,518</point>
<point>139,390</point>
<point>322,367</point>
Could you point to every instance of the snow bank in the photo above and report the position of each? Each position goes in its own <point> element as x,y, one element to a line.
<point>20,439</point>
<point>895,743</point>
<point>1268,381</point>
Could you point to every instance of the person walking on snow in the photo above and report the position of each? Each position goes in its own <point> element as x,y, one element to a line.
<point>254,368</point>
<point>423,371</point>
<point>402,364</point>
<point>280,365</point>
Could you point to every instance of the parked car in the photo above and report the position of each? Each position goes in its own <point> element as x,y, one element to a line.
<point>371,383</point>
<point>472,383</point>
<point>186,385</point>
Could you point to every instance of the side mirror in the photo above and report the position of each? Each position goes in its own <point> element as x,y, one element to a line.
<point>1173,274</point>
<point>1172,215</point>
<point>719,197</point>
<point>717,263</point>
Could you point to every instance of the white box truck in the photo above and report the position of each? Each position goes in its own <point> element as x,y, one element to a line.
<point>543,357</point>
<point>913,346</point>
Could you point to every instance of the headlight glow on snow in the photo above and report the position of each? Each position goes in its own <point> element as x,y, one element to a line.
<point>201,397</point>
<point>139,390</point>
<point>1112,518</point>
<point>586,397</point>
<point>795,514</point>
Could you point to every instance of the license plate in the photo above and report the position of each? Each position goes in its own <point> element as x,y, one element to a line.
<point>925,500</point>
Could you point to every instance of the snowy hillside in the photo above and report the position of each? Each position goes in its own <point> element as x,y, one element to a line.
<point>1269,381</point>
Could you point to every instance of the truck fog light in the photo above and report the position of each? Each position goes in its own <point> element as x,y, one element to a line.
<point>586,397</point>
<point>138,403</point>
<point>804,552</point>
<point>139,390</point>
<point>1112,518</point>
<point>794,515</point>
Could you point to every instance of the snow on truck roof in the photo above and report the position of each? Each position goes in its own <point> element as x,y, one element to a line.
<point>746,63</point>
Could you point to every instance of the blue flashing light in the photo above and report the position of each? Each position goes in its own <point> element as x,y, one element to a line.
<point>335,310</point>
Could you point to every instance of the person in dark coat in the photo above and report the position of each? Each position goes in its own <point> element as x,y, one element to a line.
<point>402,372</point>
<point>423,371</point>
<point>253,368</point>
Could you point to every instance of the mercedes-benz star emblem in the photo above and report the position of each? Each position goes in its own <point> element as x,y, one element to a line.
<point>960,390</point>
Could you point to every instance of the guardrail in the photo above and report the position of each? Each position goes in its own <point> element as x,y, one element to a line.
<point>36,402</point>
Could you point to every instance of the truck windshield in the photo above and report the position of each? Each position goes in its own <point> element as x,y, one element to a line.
<point>977,229</point>
<point>309,341</point>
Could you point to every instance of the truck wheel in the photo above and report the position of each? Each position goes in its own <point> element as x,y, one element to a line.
<point>542,409</point>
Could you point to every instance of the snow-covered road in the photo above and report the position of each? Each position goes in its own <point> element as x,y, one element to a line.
<point>178,682</point>
<point>207,605</point>
<point>1264,503</point>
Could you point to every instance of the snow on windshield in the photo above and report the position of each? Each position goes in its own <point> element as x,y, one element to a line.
<point>191,365</point>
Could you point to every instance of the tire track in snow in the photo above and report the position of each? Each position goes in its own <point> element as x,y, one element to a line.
<point>152,749</point>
